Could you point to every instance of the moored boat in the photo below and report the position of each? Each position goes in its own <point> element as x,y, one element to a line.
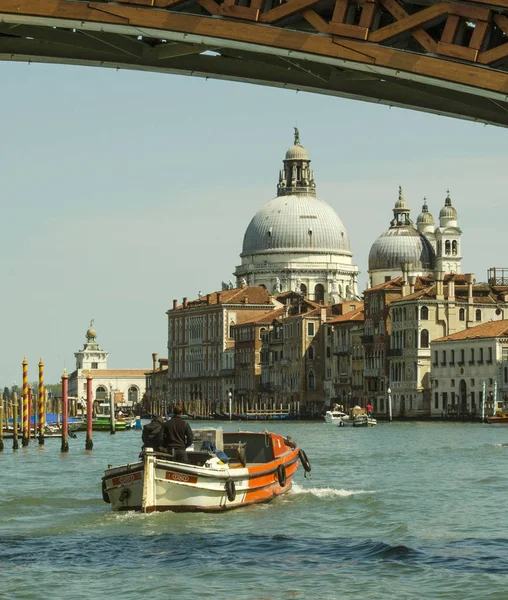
<point>225,471</point>
<point>335,416</point>
<point>498,419</point>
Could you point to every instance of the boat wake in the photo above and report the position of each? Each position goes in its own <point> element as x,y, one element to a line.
<point>327,492</point>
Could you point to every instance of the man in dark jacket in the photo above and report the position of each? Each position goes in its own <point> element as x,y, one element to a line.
<point>178,436</point>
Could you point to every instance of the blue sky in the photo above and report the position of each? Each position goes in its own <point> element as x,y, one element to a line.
<point>123,190</point>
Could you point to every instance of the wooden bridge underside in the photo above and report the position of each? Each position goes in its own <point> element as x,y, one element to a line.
<point>445,57</point>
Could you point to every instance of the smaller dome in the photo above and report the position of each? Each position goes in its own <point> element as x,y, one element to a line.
<point>425,218</point>
<point>398,245</point>
<point>401,204</point>
<point>448,212</point>
<point>297,152</point>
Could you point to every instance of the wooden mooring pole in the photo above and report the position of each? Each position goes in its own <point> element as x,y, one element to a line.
<point>65,412</point>
<point>88,443</point>
<point>1,422</point>
<point>15,444</point>
<point>42,398</point>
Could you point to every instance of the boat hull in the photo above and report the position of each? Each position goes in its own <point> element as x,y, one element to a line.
<point>157,483</point>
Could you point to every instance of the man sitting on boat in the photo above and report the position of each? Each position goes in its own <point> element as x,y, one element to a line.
<point>178,436</point>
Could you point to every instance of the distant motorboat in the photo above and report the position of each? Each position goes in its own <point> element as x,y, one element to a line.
<point>336,416</point>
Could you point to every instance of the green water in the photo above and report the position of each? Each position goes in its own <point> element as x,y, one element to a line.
<point>399,511</point>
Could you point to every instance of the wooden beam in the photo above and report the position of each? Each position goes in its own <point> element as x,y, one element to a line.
<point>474,13</point>
<point>457,51</point>
<point>450,29</point>
<point>340,11</point>
<point>286,10</point>
<point>316,21</point>
<point>494,55</point>
<point>368,13</point>
<point>479,35</point>
<point>349,31</point>
<point>406,23</point>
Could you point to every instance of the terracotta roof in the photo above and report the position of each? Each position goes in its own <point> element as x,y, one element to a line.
<point>254,294</point>
<point>266,317</point>
<point>492,329</point>
<point>482,294</point>
<point>353,315</point>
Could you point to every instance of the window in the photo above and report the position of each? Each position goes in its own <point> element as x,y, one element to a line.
<point>447,247</point>
<point>312,380</point>
<point>452,382</point>
<point>480,360</point>
<point>95,365</point>
<point>452,357</point>
<point>462,314</point>
<point>436,400</point>
<point>100,394</point>
<point>319,293</point>
<point>471,361</point>
<point>424,339</point>
<point>489,355</point>
<point>443,357</point>
<point>462,357</point>
<point>478,315</point>
<point>434,362</point>
<point>310,328</point>
<point>424,313</point>
<point>310,353</point>
<point>445,399</point>
<point>328,352</point>
<point>472,382</point>
<point>455,249</point>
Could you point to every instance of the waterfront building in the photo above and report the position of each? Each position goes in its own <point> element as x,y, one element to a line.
<point>248,348</point>
<point>470,367</point>
<point>293,357</point>
<point>425,247</point>
<point>126,385</point>
<point>377,335</point>
<point>344,366</point>
<point>450,304</point>
<point>201,346</point>
<point>297,242</point>
<point>156,399</point>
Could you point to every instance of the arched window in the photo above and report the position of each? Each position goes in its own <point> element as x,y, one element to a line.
<point>455,248</point>
<point>312,380</point>
<point>133,394</point>
<point>319,293</point>
<point>424,339</point>
<point>462,314</point>
<point>478,315</point>
<point>310,353</point>
<point>100,393</point>
<point>424,313</point>
<point>303,289</point>
<point>448,247</point>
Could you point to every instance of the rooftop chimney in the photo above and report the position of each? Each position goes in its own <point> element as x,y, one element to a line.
<point>185,302</point>
<point>175,304</point>
<point>451,289</point>
<point>219,297</point>
<point>155,356</point>
<point>208,298</point>
<point>412,281</point>
<point>439,285</point>
<point>469,281</point>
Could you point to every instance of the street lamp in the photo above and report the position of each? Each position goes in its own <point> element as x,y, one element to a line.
<point>389,390</point>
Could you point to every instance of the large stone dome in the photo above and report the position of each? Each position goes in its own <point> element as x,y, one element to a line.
<point>296,223</point>
<point>401,243</point>
<point>398,245</point>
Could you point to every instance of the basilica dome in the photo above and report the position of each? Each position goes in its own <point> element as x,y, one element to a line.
<point>296,220</point>
<point>402,243</point>
<point>293,223</point>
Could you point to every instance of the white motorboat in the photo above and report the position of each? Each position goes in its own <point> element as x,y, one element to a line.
<point>225,470</point>
<point>335,416</point>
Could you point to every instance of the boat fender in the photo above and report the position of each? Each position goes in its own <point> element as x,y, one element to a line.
<point>231,490</point>
<point>105,495</point>
<point>281,475</point>
<point>125,495</point>
<point>304,460</point>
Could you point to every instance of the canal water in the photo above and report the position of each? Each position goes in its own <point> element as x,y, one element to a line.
<point>400,511</point>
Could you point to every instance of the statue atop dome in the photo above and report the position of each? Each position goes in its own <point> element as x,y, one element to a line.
<point>91,334</point>
<point>297,136</point>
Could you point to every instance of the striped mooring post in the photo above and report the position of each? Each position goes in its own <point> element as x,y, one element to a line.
<point>89,443</point>
<point>42,414</point>
<point>26,429</point>
<point>65,412</point>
